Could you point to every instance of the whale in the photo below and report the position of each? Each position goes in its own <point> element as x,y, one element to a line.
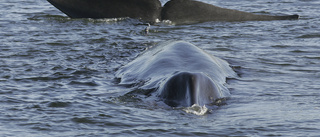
<point>178,73</point>
<point>190,11</point>
<point>176,11</point>
<point>147,10</point>
<point>189,88</point>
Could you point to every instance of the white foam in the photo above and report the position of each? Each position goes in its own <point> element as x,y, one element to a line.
<point>197,110</point>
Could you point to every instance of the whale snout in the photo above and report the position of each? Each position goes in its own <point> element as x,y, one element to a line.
<point>185,89</point>
<point>180,74</point>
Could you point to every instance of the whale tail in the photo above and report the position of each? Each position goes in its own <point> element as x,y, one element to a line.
<point>186,89</point>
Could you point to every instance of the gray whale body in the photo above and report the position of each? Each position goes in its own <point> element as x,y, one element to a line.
<point>179,73</point>
<point>177,11</point>
<point>190,11</point>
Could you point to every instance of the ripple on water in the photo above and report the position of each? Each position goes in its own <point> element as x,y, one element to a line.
<point>57,73</point>
<point>58,104</point>
<point>309,36</point>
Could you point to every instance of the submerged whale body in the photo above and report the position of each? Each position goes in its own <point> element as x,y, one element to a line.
<point>180,74</point>
<point>177,11</point>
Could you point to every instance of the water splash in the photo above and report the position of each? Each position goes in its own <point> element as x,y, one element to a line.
<point>197,110</point>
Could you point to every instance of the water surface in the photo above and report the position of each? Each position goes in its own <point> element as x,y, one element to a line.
<point>57,74</point>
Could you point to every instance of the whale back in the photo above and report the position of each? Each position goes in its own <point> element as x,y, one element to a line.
<point>147,10</point>
<point>191,11</point>
<point>177,11</point>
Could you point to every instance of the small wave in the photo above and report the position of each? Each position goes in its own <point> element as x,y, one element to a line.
<point>167,22</point>
<point>85,83</point>
<point>108,20</point>
<point>59,104</point>
<point>309,36</point>
<point>196,109</point>
<point>84,120</point>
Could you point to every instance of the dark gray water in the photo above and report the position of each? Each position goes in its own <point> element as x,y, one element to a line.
<point>57,74</point>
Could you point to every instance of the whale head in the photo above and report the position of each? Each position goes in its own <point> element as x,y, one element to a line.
<point>185,89</point>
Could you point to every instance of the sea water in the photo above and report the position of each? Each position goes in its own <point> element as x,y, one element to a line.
<point>57,74</point>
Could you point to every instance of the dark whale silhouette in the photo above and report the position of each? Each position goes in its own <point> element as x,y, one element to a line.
<point>148,10</point>
<point>177,11</point>
<point>190,11</point>
<point>180,73</point>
